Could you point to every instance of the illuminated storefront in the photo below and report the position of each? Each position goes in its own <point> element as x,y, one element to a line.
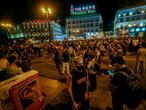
<point>130,22</point>
<point>84,22</point>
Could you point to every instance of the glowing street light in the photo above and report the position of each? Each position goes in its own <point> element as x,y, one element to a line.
<point>6,25</point>
<point>46,11</point>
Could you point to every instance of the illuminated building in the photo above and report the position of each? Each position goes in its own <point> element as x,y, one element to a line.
<point>40,29</point>
<point>57,31</point>
<point>84,22</point>
<point>17,32</point>
<point>130,21</point>
<point>36,29</point>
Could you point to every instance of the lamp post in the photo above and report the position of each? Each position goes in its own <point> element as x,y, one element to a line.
<point>48,11</point>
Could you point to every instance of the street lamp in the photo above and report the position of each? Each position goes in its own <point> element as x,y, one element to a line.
<point>48,11</point>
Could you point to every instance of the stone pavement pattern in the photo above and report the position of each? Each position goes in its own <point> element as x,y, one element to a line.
<point>53,88</point>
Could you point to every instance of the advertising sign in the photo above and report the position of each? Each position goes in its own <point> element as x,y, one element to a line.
<point>85,9</point>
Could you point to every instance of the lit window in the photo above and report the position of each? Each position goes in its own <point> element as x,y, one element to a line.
<point>141,24</point>
<point>142,11</point>
<point>21,35</point>
<point>83,8</point>
<point>137,29</point>
<point>124,14</point>
<point>129,25</point>
<point>131,13</point>
<point>132,30</point>
<point>143,29</point>
<point>119,15</point>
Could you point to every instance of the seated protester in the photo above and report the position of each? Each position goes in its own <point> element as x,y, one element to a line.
<point>78,87</point>
<point>121,91</point>
<point>3,65</point>
<point>3,61</point>
<point>13,69</point>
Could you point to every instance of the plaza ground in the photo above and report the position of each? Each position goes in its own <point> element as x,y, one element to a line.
<point>54,85</point>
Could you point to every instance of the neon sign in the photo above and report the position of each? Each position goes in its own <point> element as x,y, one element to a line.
<point>87,9</point>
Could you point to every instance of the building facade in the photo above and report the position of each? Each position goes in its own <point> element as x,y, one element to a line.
<point>16,32</point>
<point>84,22</point>
<point>37,30</point>
<point>57,31</point>
<point>130,21</point>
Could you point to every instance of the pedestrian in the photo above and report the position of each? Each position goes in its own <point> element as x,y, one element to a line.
<point>92,72</point>
<point>65,62</point>
<point>57,58</point>
<point>141,58</point>
<point>78,87</point>
<point>120,86</point>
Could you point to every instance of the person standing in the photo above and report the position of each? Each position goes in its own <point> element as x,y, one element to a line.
<point>57,58</point>
<point>141,58</point>
<point>65,62</point>
<point>121,86</point>
<point>92,73</point>
<point>78,88</point>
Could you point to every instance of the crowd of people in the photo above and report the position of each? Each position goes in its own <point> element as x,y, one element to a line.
<point>80,61</point>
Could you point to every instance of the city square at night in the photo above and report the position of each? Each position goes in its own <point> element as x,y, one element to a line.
<point>73,55</point>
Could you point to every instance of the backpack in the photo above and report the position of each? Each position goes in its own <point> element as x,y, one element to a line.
<point>134,89</point>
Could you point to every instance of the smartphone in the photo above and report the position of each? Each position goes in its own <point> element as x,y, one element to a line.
<point>110,72</point>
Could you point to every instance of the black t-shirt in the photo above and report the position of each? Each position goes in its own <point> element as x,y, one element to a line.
<point>120,80</point>
<point>79,78</point>
<point>65,56</point>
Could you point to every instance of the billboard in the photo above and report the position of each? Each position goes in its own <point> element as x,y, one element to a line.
<point>83,9</point>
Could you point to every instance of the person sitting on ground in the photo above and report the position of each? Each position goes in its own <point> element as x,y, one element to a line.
<point>13,69</point>
<point>3,61</point>
<point>3,65</point>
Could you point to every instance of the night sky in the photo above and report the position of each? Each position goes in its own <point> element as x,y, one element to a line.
<point>17,11</point>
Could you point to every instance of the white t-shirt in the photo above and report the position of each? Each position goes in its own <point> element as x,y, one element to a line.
<point>142,53</point>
